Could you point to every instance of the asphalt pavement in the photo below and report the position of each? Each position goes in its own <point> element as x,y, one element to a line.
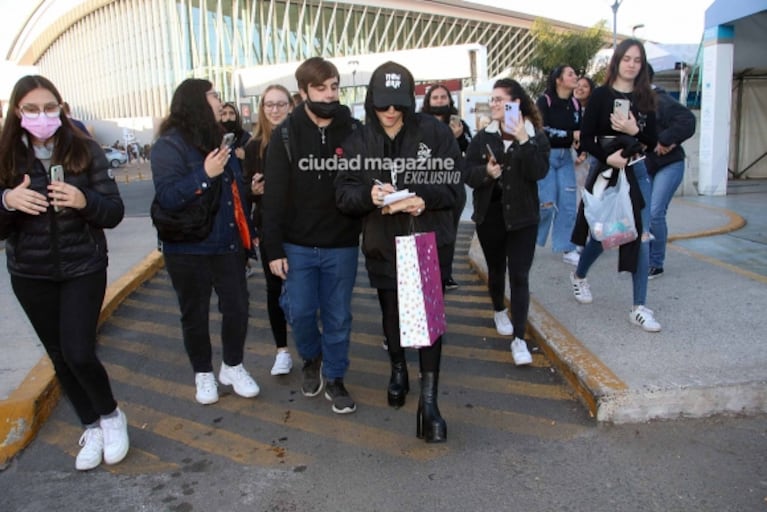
<point>522,427</point>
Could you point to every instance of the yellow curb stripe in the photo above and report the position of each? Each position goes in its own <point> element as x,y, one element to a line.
<point>341,429</point>
<point>734,222</point>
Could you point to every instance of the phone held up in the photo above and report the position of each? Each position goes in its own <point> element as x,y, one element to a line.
<point>455,121</point>
<point>227,140</point>
<point>510,114</point>
<point>57,174</point>
<point>621,106</point>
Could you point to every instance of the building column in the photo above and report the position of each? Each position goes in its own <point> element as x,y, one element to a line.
<point>716,109</point>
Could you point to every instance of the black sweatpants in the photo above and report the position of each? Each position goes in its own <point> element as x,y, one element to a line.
<point>512,250</point>
<point>65,316</point>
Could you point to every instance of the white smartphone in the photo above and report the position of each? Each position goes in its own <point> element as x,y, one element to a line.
<point>57,174</point>
<point>227,140</point>
<point>621,106</point>
<point>511,113</point>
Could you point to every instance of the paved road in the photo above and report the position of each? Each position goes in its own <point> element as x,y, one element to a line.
<point>518,440</point>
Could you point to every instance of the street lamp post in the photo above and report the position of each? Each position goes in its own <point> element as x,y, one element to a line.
<point>614,6</point>
<point>635,28</point>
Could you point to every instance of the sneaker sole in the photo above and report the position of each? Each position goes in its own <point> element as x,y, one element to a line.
<point>345,410</point>
<point>205,402</point>
<point>523,361</point>
<point>314,393</point>
<point>645,328</point>
<point>226,382</point>
<point>115,459</point>
<point>281,371</point>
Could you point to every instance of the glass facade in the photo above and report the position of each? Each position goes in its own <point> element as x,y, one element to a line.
<point>124,58</point>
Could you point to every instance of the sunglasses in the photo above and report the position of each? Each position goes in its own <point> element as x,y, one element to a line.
<point>398,108</point>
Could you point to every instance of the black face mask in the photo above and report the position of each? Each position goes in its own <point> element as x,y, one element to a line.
<point>323,110</point>
<point>444,110</point>
<point>229,125</point>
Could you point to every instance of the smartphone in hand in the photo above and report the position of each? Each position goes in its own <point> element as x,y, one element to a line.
<point>455,121</point>
<point>57,174</point>
<point>510,114</point>
<point>227,140</point>
<point>490,154</point>
<point>621,106</point>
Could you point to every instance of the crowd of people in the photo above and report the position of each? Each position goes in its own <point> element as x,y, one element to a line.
<point>281,194</point>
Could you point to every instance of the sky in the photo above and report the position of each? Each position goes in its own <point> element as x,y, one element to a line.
<point>665,21</point>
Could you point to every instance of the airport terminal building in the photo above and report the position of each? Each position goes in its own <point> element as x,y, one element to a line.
<point>122,59</point>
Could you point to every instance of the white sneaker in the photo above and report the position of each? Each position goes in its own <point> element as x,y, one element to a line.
<point>207,388</point>
<point>282,363</point>
<point>239,378</point>
<point>519,352</point>
<point>581,290</point>
<point>643,317</point>
<point>571,257</point>
<point>502,323</point>
<point>92,451</point>
<point>116,441</point>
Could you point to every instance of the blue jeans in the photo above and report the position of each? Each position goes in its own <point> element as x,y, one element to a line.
<point>664,184</point>
<point>321,279</point>
<point>556,190</point>
<point>593,248</point>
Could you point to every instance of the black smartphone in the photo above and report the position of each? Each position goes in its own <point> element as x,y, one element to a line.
<point>490,154</point>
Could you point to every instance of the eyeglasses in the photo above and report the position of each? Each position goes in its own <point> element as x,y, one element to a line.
<point>398,108</point>
<point>497,99</point>
<point>33,111</point>
<point>276,105</point>
<point>215,94</point>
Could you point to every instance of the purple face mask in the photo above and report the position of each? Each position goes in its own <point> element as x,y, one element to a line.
<point>41,128</point>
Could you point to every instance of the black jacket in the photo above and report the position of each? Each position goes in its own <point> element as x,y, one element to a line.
<point>675,124</point>
<point>69,243</point>
<point>299,204</point>
<point>523,165</point>
<point>561,117</point>
<point>422,137</point>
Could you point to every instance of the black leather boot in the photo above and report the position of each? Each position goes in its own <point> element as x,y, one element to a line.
<point>398,382</point>
<point>430,425</point>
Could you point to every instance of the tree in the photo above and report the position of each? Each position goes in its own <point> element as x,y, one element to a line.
<point>553,49</point>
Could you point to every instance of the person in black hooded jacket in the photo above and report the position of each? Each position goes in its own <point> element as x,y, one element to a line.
<point>310,244</point>
<point>394,131</point>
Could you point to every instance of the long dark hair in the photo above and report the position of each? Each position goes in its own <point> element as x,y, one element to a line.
<point>426,108</point>
<point>191,115</point>
<point>642,94</point>
<point>551,82</point>
<point>526,105</point>
<point>70,145</point>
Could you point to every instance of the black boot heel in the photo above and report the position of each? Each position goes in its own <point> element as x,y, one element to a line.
<point>399,386</point>
<point>429,423</point>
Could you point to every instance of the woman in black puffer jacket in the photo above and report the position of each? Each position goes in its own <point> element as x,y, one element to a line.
<point>58,196</point>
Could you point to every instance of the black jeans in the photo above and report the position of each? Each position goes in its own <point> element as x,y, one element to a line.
<point>512,249</point>
<point>276,314</point>
<point>428,357</point>
<point>194,276</point>
<point>65,316</point>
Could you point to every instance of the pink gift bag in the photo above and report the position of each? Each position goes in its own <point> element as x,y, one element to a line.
<point>419,290</point>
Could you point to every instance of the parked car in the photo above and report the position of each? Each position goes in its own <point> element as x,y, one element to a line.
<point>115,157</point>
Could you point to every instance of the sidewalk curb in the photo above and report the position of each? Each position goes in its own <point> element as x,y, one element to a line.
<point>28,407</point>
<point>593,382</point>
